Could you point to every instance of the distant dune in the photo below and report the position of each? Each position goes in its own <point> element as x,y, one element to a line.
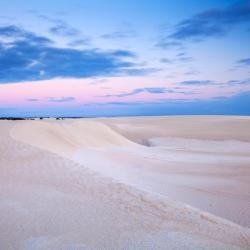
<point>125,183</point>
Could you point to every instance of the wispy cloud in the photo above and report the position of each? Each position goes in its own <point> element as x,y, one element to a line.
<point>196,82</point>
<point>100,81</point>
<point>151,90</point>
<point>243,82</point>
<point>166,60</point>
<point>244,62</point>
<point>166,43</point>
<point>53,99</point>
<point>61,99</point>
<point>79,42</point>
<point>32,99</point>
<point>213,22</point>
<point>62,29</point>
<point>191,72</point>
<point>14,33</point>
<point>182,57</point>
<point>216,22</point>
<point>122,34</point>
<point>121,103</point>
<point>142,71</point>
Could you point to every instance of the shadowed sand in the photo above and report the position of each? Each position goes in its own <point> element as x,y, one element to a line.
<point>123,183</point>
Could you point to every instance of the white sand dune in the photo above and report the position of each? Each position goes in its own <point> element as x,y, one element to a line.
<point>123,183</point>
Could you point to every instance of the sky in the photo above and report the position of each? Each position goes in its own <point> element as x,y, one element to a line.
<point>124,57</point>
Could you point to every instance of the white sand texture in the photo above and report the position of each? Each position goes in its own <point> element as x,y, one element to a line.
<point>125,183</point>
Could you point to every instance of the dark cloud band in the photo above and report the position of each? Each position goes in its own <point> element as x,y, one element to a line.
<point>25,56</point>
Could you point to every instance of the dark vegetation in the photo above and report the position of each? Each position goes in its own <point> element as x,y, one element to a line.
<point>36,118</point>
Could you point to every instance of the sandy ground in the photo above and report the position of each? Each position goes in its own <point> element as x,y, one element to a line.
<point>125,183</point>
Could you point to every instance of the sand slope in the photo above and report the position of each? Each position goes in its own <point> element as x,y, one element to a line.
<point>201,161</point>
<point>56,191</point>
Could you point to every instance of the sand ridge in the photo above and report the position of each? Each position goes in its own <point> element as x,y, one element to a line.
<point>67,137</point>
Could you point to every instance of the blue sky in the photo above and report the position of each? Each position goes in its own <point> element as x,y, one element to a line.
<point>98,58</point>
